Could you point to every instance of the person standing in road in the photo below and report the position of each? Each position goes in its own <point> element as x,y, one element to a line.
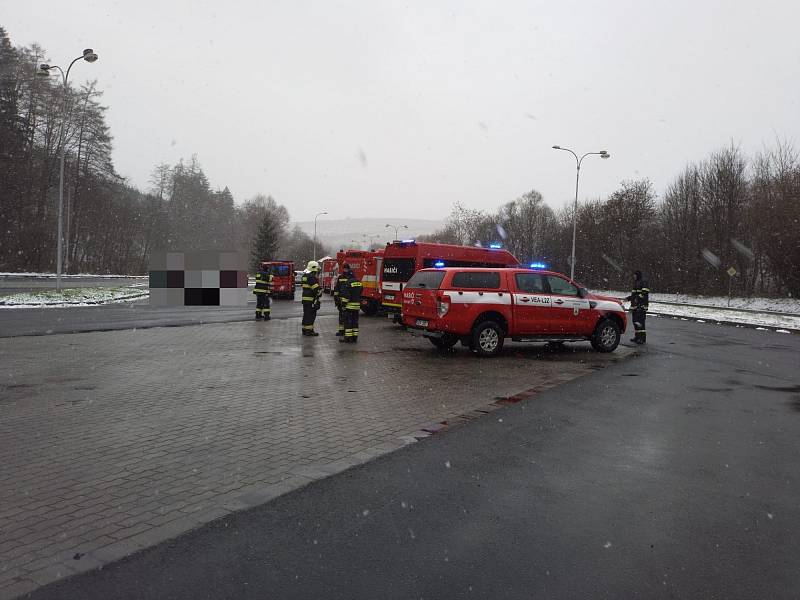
<point>263,292</point>
<point>639,299</point>
<point>352,304</point>
<point>338,290</point>
<point>311,295</point>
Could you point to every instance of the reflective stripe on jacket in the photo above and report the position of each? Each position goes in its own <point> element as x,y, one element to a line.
<point>263,283</point>
<point>311,288</point>
<point>353,294</point>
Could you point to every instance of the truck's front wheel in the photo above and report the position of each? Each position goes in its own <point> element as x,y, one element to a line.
<point>606,336</point>
<point>487,338</point>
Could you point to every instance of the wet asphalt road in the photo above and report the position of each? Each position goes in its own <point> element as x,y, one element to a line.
<point>671,475</point>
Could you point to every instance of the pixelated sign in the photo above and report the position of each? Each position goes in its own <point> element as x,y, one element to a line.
<point>198,278</point>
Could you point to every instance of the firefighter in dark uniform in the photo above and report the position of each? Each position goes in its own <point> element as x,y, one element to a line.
<point>639,299</point>
<point>352,304</point>
<point>338,290</point>
<point>263,292</point>
<point>311,295</point>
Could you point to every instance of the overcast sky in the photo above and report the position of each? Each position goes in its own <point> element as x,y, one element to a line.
<point>377,108</point>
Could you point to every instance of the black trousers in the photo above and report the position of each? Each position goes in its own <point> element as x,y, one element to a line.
<point>309,315</point>
<point>351,324</point>
<point>639,316</point>
<point>342,319</point>
<point>263,305</point>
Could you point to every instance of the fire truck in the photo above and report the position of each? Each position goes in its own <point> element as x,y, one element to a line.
<point>402,259</point>
<point>282,278</point>
<point>329,271</point>
<point>366,267</point>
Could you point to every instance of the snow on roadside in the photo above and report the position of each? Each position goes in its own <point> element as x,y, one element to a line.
<point>712,314</point>
<point>9,274</point>
<point>767,305</point>
<point>72,297</point>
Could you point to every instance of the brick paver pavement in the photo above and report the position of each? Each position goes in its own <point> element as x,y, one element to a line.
<point>111,442</point>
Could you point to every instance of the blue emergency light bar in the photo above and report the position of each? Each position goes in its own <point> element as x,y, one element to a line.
<point>538,265</point>
<point>495,246</point>
<point>407,241</point>
<point>438,264</point>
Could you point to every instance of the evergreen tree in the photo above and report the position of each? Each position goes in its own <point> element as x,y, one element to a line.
<point>267,239</point>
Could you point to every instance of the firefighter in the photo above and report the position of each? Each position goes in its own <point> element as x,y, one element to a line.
<point>263,292</point>
<point>338,290</point>
<point>639,299</point>
<point>352,303</point>
<point>311,295</point>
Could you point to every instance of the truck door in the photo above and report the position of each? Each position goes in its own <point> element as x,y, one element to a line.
<point>532,312</point>
<point>570,314</point>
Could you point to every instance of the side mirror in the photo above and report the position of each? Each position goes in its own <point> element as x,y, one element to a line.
<point>583,292</point>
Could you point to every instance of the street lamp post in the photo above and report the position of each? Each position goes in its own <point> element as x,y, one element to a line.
<point>578,161</point>
<point>371,237</point>
<point>44,70</point>
<point>315,233</point>
<point>396,227</point>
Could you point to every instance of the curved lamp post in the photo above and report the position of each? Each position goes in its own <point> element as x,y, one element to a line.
<point>89,56</point>
<point>315,233</point>
<point>396,227</point>
<point>578,161</point>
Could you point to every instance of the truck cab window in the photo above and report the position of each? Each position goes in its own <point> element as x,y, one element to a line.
<point>531,283</point>
<point>561,287</point>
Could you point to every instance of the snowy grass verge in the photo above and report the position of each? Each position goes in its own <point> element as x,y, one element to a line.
<point>10,275</point>
<point>72,297</point>
<point>782,323</point>
<point>761,305</point>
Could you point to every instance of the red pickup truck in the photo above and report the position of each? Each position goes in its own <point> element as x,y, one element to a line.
<point>482,307</point>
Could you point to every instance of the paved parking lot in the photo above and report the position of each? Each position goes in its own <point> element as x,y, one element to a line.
<point>113,441</point>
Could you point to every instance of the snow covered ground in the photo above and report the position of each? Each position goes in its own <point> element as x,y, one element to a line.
<point>758,312</point>
<point>782,305</point>
<point>7,274</point>
<point>73,297</point>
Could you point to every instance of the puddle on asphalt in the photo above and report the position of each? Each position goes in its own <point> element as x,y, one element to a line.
<point>779,388</point>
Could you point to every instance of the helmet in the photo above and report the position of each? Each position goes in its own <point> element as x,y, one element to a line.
<point>264,266</point>
<point>312,266</point>
<point>346,267</point>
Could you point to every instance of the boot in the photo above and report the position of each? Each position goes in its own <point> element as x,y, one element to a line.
<point>339,333</point>
<point>313,334</point>
<point>267,318</point>
<point>258,316</point>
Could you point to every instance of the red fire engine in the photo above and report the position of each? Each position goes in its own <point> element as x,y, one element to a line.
<point>402,259</point>
<point>366,267</point>
<point>282,278</point>
<point>328,272</point>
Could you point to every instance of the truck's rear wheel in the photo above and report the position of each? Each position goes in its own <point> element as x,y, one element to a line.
<point>487,338</point>
<point>606,336</point>
<point>448,340</point>
<point>370,308</point>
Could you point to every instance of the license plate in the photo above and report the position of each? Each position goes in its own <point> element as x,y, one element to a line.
<point>390,296</point>
<point>421,323</point>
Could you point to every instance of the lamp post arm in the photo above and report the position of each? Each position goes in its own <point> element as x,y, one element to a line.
<point>66,76</point>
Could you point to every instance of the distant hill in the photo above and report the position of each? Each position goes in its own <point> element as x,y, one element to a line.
<point>337,233</point>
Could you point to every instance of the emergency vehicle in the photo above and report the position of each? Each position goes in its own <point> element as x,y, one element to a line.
<point>402,259</point>
<point>328,273</point>
<point>371,283</point>
<point>282,278</point>
<point>364,264</point>
<point>482,307</point>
